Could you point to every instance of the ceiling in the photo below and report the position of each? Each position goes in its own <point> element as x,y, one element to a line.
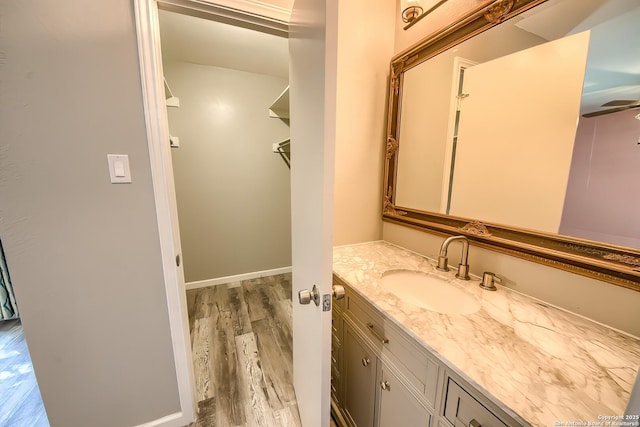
<point>201,41</point>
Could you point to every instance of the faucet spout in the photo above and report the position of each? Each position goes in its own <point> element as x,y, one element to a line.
<point>443,259</point>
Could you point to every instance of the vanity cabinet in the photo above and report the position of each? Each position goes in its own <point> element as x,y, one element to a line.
<point>374,394</point>
<point>371,385</point>
<point>382,377</point>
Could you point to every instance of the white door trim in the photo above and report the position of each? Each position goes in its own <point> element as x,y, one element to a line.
<point>256,15</point>
<point>148,35</point>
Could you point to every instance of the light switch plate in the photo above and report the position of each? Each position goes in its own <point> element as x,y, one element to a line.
<point>174,141</point>
<point>119,168</point>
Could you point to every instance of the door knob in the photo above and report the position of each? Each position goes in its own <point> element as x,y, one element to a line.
<point>338,291</point>
<point>305,296</point>
<point>365,361</point>
<point>385,385</point>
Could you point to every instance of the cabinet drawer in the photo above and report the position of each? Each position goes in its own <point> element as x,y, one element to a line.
<point>461,409</point>
<point>420,370</point>
<point>368,320</point>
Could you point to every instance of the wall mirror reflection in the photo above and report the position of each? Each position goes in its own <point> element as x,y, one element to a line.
<point>533,125</point>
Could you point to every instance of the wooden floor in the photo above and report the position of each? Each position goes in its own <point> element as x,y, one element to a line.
<point>242,353</point>
<point>20,401</point>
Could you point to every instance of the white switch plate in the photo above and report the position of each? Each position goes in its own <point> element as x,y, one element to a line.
<point>119,168</point>
<point>174,141</point>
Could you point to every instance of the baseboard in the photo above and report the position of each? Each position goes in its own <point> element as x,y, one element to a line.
<point>177,419</point>
<point>237,278</point>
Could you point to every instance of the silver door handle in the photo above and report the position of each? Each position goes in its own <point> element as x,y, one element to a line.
<point>305,296</point>
<point>366,361</point>
<point>385,385</point>
<point>338,291</point>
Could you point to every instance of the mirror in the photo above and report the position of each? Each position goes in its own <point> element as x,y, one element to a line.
<point>524,135</point>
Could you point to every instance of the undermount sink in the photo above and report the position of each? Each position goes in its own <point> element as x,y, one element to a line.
<point>428,291</point>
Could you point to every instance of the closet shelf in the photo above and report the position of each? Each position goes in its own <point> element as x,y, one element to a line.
<point>280,107</point>
<point>171,100</point>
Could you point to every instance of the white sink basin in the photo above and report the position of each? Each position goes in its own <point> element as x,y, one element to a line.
<point>428,291</point>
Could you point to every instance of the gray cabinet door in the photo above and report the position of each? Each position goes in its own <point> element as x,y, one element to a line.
<point>359,376</point>
<point>396,406</point>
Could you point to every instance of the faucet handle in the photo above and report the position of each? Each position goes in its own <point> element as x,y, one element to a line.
<point>489,280</point>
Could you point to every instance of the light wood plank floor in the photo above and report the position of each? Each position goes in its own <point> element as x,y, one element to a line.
<point>20,402</point>
<point>242,353</point>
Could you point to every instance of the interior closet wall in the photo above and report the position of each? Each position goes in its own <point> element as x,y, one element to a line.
<point>233,192</point>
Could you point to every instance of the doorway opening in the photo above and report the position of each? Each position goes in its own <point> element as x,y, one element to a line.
<point>233,191</point>
<point>232,187</point>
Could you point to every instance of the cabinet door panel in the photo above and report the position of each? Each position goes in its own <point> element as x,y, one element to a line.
<point>359,376</point>
<point>396,405</point>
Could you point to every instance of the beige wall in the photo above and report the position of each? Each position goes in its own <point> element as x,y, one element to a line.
<point>603,302</point>
<point>233,191</point>
<point>366,45</point>
<point>83,253</point>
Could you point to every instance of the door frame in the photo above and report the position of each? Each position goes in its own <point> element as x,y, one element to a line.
<point>157,128</point>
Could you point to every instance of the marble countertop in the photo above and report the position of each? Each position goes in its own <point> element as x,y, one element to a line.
<point>540,362</point>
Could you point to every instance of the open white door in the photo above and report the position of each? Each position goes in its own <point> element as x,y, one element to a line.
<point>312,79</point>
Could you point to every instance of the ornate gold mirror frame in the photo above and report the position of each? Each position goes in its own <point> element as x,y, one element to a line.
<point>610,263</point>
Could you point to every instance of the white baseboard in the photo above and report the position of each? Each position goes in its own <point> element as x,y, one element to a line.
<point>236,278</point>
<point>178,419</point>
